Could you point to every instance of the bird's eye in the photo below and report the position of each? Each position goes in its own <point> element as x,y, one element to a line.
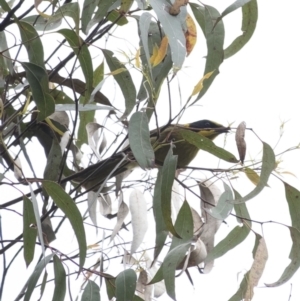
<point>207,124</point>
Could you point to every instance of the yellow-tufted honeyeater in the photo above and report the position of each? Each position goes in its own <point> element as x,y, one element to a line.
<point>93,176</point>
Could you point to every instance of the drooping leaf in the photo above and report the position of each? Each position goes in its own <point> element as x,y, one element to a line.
<point>125,285</point>
<point>59,280</point>
<point>160,226</point>
<point>67,205</point>
<point>104,7</point>
<point>199,12</point>
<point>84,57</point>
<point>29,232</point>
<point>234,6</point>
<point>33,279</point>
<point>5,57</point>
<point>294,265</point>
<point>138,210</point>
<point>123,79</point>
<point>139,140</point>
<point>293,198</point>
<point>33,44</point>
<point>88,10</point>
<point>207,145</point>
<point>91,292</point>
<point>240,141</point>
<point>239,295</point>
<point>268,165</point>
<point>250,17</point>
<point>168,175</point>
<point>173,30</point>
<point>38,81</point>
<point>214,34</point>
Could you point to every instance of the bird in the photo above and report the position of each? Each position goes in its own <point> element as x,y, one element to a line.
<point>93,176</point>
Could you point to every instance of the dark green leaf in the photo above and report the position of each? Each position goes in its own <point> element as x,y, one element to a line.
<point>32,43</point>
<point>87,13</point>
<point>29,233</point>
<point>104,7</point>
<point>168,175</point>
<point>199,14</point>
<point>250,17</point>
<point>54,158</point>
<point>293,198</point>
<point>59,280</point>
<point>110,287</point>
<point>234,6</point>
<point>292,268</point>
<point>123,79</point>
<point>139,140</point>
<point>114,16</point>
<point>234,238</point>
<point>84,57</point>
<point>242,211</point>
<point>91,292</point>
<point>38,81</point>
<point>207,145</point>
<point>172,260</point>
<point>125,285</point>
<point>241,292</point>
<point>33,279</point>
<point>67,205</point>
<point>160,226</point>
<point>268,165</point>
<point>215,35</point>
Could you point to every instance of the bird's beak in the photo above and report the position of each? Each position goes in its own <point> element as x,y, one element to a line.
<point>222,129</point>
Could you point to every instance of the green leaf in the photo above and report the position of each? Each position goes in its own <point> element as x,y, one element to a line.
<point>293,198</point>
<point>234,6</point>
<point>110,287</point>
<point>160,226</point>
<point>241,292</point>
<point>250,17</point>
<point>125,285</point>
<point>33,279</point>
<point>67,205</point>
<point>199,14</point>
<point>32,43</point>
<point>38,81</point>
<point>234,238</point>
<point>172,260</point>
<point>242,211</point>
<point>207,145</point>
<point>292,268</point>
<point>29,233</point>
<point>139,140</point>
<point>123,79</point>
<point>91,292</point>
<point>268,165</point>
<point>173,30</point>
<point>59,280</point>
<point>84,57</point>
<point>215,35</point>
<point>54,158</point>
<point>104,7</point>
<point>87,13</point>
<point>114,16</point>
<point>168,175</point>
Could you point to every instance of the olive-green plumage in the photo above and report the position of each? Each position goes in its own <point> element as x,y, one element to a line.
<point>96,174</point>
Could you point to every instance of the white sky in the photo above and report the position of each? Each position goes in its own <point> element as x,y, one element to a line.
<point>259,85</point>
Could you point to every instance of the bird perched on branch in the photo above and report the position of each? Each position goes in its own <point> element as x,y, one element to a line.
<point>93,176</point>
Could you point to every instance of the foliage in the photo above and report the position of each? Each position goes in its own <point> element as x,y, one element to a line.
<point>79,90</point>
